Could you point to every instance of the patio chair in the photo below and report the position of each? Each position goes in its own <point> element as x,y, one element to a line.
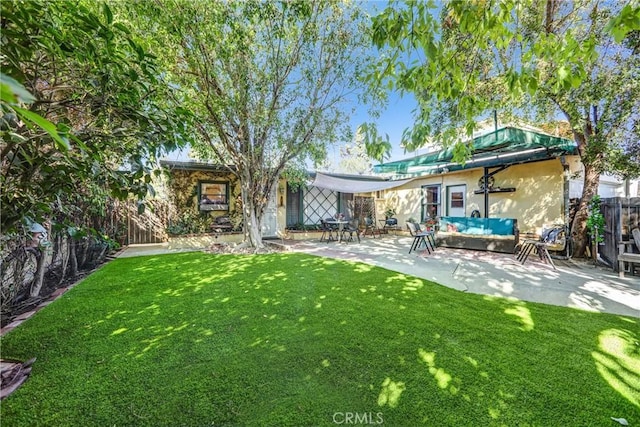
<point>420,238</point>
<point>351,228</point>
<point>391,224</point>
<point>431,234</point>
<point>327,230</point>
<point>370,227</point>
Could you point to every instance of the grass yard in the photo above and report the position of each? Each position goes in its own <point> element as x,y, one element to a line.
<point>295,340</point>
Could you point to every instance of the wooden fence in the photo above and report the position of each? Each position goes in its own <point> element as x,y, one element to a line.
<point>150,226</point>
<point>621,215</point>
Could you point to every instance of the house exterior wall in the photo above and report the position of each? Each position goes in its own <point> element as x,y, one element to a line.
<point>609,186</point>
<point>538,200</point>
<point>281,203</point>
<point>183,194</point>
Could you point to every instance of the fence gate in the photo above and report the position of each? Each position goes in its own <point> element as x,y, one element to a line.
<point>364,207</point>
<point>149,226</point>
<point>621,215</point>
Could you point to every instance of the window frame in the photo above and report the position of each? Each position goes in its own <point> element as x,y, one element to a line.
<point>219,205</point>
<point>425,204</point>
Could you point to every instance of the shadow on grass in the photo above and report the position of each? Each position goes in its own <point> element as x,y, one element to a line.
<point>290,339</point>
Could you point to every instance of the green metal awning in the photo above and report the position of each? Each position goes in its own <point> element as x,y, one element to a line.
<point>505,146</point>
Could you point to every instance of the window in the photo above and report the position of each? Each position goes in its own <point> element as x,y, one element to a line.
<point>457,199</point>
<point>213,196</point>
<point>430,202</point>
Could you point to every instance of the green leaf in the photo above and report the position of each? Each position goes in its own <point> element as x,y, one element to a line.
<point>46,125</point>
<point>13,92</point>
<point>107,13</point>
<point>120,26</point>
<point>563,73</point>
<point>627,20</point>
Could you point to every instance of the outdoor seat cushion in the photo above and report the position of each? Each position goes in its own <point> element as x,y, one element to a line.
<point>479,226</point>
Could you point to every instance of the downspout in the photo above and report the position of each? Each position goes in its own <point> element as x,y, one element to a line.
<point>486,192</point>
<point>566,202</point>
<point>565,189</point>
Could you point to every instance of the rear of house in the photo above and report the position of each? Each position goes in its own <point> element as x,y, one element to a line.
<point>513,173</point>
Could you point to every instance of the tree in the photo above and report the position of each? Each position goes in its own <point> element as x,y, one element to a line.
<point>91,103</point>
<point>539,59</point>
<point>353,156</point>
<point>269,83</point>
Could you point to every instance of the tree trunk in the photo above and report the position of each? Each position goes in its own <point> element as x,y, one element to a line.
<point>73,272</point>
<point>252,213</point>
<point>64,240</point>
<point>579,232</point>
<point>38,278</point>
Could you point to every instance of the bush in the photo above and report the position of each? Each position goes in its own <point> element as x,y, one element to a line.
<point>190,223</point>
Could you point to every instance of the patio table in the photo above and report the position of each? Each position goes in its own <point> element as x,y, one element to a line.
<point>340,223</point>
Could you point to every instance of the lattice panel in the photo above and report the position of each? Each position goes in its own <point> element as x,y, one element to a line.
<point>319,204</point>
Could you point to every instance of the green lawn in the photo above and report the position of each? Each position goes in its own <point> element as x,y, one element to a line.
<point>290,339</point>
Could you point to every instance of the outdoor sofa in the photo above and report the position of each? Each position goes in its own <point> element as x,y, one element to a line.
<point>485,234</point>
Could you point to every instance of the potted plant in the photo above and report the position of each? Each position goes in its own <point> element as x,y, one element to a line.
<point>432,224</point>
<point>389,213</point>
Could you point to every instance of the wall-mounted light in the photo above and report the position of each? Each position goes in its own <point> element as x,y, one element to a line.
<point>281,193</point>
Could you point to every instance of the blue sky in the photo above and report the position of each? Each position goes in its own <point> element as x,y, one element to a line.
<point>398,113</point>
<point>397,116</point>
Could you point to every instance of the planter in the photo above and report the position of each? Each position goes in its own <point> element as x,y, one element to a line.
<point>202,241</point>
<point>302,234</point>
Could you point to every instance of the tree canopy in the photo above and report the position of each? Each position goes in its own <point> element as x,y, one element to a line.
<point>90,115</point>
<point>270,84</point>
<point>354,158</point>
<point>541,60</point>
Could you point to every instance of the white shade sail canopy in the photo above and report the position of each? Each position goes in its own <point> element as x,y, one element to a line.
<point>354,185</point>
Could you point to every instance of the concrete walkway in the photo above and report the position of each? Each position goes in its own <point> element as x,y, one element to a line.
<point>575,283</point>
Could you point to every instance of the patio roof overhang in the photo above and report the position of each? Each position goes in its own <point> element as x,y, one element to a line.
<point>345,184</point>
<point>195,165</point>
<point>506,146</point>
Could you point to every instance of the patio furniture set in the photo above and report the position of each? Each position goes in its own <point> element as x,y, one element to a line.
<point>487,234</point>
<point>336,229</point>
<point>339,229</point>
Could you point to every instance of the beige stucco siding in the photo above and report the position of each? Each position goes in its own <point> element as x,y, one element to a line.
<point>281,203</point>
<point>538,200</point>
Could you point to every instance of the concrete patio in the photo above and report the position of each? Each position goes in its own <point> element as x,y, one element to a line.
<point>575,283</point>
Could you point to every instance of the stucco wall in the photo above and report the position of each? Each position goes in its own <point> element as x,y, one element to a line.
<point>537,201</point>
<point>183,191</point>
<point>610,186</point>
<point>281,203</point>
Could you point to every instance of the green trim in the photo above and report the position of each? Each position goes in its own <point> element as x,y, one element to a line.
<point>424,203</point>
<point>504,141</point>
